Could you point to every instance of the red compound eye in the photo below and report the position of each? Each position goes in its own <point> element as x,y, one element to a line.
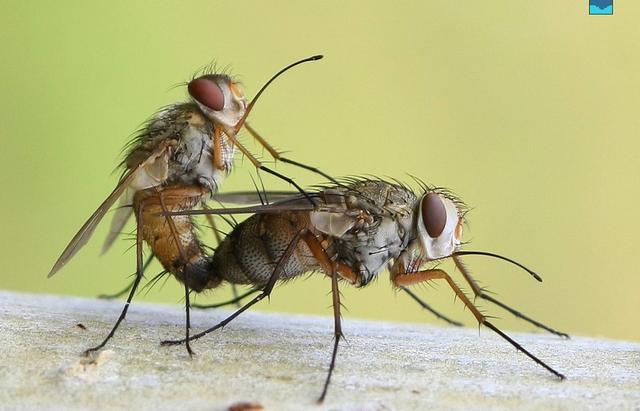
<point>434,214</point>
<point>207,92</point>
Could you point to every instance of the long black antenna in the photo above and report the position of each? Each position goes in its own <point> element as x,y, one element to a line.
<point>500,257</point>
<point>240,122</point>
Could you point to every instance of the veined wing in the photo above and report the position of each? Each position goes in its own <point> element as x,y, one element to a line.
<point>122,214</point>
<point>254,197</point>
<point>330,213</point>
<point>326,201</point>
<point>153,169</point>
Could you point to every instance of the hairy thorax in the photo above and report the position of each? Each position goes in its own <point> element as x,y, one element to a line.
<point>379,229</point>
<point>191,159</point>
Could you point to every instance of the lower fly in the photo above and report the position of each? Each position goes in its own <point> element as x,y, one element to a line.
<point>356,230</point>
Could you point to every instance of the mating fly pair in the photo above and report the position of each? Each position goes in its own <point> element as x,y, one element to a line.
<point>351,231</point>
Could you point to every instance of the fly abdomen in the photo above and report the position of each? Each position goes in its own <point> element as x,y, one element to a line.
<point>175,245</point>
<point>242,258</point>
<point>250,254</point>
<point>226,265</point>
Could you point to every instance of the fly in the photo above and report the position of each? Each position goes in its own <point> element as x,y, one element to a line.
<point>186,144</point>
<point>355,231</point>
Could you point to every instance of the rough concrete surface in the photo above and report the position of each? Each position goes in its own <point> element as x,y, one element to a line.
<point>280,362</point>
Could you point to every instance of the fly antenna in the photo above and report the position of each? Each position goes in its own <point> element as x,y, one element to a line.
<point>240,123</point>
<point>500,257</point>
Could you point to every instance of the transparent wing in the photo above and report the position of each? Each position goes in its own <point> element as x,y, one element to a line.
<point>253,197</point>
<point>122,214</point>
<point>326,200</point>
<point>137,174</point>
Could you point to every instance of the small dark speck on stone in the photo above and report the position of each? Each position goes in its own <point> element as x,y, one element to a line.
<point>245,406</point>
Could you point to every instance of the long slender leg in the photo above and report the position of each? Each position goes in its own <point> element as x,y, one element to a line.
<point>275,275</point>
<point>325,262</point>
<point>234,289</point>
<point>136,282</point>
<point>288,180</point>
<point>154,280</point>
<point>188,314</point>
<point>174,233</point>
<point>408,279</point>
<point>128,287</point>
<point>428,307</point>
<point>118,294</point>
<point>260,166</point>
<point>233,301</point>
<point>479,292</point>
<point>216,154</point>
<point>277,156</point>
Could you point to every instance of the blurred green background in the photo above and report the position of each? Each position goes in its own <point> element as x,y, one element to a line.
<point>526,109</point>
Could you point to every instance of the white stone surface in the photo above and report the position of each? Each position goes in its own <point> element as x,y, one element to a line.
<point>280,361</point>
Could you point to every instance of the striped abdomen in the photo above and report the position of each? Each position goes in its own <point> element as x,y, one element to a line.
<point>250,253</point>
<point>185,256</point>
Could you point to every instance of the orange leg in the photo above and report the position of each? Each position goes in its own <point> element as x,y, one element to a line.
<point>274,153</point>
<point>399,270</point>
<point>329,268</point>
<point>277,156</point>
<point>479,292</point>
<point>408,279</point>
<point>217,149</point>
<point>346,273</point>
<point>231,136</point>
<point>343,271</point>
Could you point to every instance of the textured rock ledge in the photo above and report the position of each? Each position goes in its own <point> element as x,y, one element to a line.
<point>280,361</point>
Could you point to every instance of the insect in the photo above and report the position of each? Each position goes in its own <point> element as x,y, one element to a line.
<point>355,231</point>
<point>190,143</point>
